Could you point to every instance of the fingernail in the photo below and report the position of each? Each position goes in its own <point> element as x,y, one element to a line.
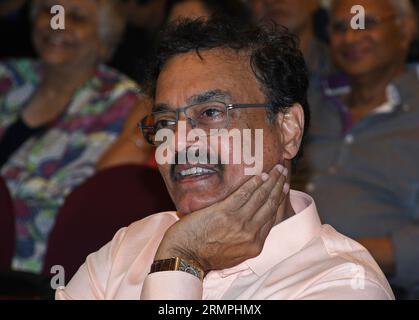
<point>264,176</point>
<point>280,168</point>
<point>286,188</point>
<point>285,172</point>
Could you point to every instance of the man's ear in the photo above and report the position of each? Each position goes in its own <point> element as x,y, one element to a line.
<point>291,130</point>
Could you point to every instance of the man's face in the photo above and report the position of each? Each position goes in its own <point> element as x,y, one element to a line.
<point>186,77</point>
<point>293,14</point>
<point>360,52</point>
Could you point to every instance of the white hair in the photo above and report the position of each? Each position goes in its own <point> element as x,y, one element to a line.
<point>111,23</point>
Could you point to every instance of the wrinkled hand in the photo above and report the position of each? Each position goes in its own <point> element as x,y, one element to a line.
<point>231,231</point>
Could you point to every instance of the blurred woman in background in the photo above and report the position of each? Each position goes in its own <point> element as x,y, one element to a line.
<point>59,114</point>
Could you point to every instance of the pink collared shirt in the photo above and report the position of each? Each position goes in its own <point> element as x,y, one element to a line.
<point>301,259</point>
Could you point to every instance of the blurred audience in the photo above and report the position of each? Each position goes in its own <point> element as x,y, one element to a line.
<point>299,17</point>
<point>59,114</point>
<point>362,149</point>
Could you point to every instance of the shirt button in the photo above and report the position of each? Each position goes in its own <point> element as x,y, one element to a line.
<point>349,139</point>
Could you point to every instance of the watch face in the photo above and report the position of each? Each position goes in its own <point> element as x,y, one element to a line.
<point>189,269</point>
<point>192,271</point>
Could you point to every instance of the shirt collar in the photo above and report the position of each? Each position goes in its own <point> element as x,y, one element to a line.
<point>393,100</point>
<point>286,238</point>
<point>392,93</point>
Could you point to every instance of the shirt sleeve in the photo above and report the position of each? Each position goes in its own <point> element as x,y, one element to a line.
<point>171,285</point>
<point>406,252</point>
<point>89,283</point>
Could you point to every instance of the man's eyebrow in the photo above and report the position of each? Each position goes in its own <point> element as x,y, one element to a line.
<point>161,107</point>
<point>211,95</point>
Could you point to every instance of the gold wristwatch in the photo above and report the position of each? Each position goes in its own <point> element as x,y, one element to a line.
<point>177,264</point>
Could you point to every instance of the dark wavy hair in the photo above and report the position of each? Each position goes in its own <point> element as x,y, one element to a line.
<point>275,58</point>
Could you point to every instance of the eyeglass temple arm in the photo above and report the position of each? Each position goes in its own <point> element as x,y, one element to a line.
<point>246,105</point>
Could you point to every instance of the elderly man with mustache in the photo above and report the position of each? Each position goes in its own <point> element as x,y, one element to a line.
<point>234,236</point>
<point>362,149</point>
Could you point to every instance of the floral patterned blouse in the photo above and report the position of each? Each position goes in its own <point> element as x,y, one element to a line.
<point>46,168</point>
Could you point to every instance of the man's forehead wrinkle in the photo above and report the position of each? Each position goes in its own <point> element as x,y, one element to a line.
<point>221,55</point>
<point>188,81</point>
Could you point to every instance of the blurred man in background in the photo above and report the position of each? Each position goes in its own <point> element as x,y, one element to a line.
<point>299,17</point>
<point>362,149</point>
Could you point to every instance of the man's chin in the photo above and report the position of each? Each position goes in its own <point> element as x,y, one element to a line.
<point>195,202</point>
<point>192,194</point>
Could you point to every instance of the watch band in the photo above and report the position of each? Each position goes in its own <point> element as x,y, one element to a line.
<point>177,264</point>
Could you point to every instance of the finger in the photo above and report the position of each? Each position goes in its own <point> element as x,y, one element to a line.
<point>269,209</point>
<point>242,195</point>
<point>261,195</point>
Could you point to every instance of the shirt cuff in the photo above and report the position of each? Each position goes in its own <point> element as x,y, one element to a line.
<point>171,285</point>
<point>406,252</point>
